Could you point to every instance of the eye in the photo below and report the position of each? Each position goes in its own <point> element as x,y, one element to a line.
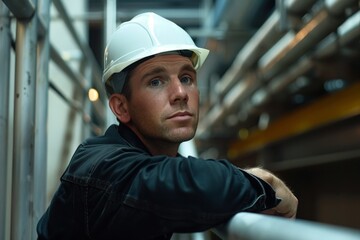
<point>155,82</point>
<point>186,79</point>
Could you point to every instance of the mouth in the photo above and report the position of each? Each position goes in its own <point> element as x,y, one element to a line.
<point>183,115</point>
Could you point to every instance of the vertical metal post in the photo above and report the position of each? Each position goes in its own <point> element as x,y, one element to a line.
<point>110,26</point>
<point>87,72</point>
<point>4,110</point>
<point>24,117</point>
<point>41,110</point>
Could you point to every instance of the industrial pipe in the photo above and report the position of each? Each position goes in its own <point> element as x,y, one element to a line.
<point>252,226</point>
<point>313,32</point>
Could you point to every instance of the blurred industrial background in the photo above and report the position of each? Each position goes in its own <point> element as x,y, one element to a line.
<point>280,89</point>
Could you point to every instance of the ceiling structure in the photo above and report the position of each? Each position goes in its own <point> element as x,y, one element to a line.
<point>268,59</point>
<point>223,25</point>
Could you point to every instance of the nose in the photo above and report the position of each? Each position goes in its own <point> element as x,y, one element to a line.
<point>178,92</point>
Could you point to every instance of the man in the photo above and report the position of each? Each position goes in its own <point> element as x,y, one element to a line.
<point>131,183</point>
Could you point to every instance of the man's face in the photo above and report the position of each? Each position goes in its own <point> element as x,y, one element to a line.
<point>163,107</point>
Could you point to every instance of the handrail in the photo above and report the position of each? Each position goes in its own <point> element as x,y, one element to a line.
<point>252,226</point>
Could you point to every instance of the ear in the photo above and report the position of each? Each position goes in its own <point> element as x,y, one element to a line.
<point>119,106</point>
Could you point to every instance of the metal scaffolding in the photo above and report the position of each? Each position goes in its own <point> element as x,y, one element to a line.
<point>4,109</point>
<point>25,158</point>
<point>22,197</point>
<point>41,103</point>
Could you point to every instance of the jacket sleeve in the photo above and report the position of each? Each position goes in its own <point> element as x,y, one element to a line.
<point>202,190</point>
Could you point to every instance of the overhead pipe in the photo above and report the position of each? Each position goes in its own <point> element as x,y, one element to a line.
<point>220,13</point>
<point>238,93</point>
<point>263,39</point>
<point>326,21</point>
<point>334,7</point>
<point>347,32</point>
<point>350,32</point>
<point>217,12</point>
<point>328,47</point>
<point>249,55</point>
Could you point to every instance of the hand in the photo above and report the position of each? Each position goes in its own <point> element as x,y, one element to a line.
<point>288,205</point>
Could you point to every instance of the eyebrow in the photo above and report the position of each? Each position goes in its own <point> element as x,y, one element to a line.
<point>160,69</point>
<point>154,71</point>
<point>189,68</point>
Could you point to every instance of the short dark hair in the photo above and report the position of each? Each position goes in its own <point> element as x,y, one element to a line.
<point>124,75</point>
<point>126,91</point>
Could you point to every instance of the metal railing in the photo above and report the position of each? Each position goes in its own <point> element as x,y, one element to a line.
<point>252,226</point>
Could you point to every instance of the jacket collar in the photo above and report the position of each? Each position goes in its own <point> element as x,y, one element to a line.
<point>129,136</point>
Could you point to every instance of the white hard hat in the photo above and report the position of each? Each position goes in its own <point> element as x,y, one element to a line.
<point>146,35</point>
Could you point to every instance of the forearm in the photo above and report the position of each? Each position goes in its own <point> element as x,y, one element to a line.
<point>201,187</point>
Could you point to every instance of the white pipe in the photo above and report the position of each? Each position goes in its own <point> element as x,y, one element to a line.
<point>252,226</point>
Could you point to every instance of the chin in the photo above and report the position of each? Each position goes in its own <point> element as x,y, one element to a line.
<point>182,135</point>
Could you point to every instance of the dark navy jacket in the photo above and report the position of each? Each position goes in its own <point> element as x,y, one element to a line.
<point>114,188</point>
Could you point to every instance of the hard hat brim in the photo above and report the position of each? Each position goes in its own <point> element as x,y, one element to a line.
<point>201,53</point>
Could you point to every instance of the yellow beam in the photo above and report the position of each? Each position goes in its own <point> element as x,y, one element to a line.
<point>331,108</point>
